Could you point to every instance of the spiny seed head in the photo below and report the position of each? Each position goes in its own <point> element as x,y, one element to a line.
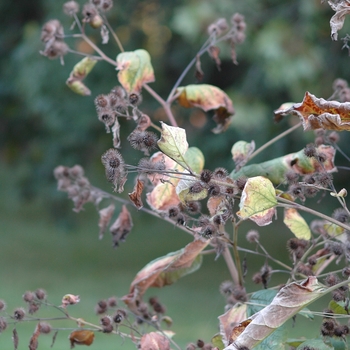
<point>28,297</point>
<point>101,102</point>
<point>206,175</point>
<point>112,159</point>
<point>237,18</point>
<point>331,280</point>
<point>304,269</point>
<point>105,320</point>
<point>40,294</point>
<point>312,260</point>
<point>292,177</point>
<point>89,12</point>
<point>217,220</point>
<point>226,287</point>
<point>341,215</point>
<point>196,188</point>
<point>324,179</point>
<point>241,181</point>
<point>135,99</point>
<point>45,328</point>
<point>338,295</point>
<point>103,5</point>
<point>214,190</point>
<point>173,212</point>
<point>56,49</point>
<point>220,172</point>
<point>310,192</point>
<point>336,248</point>
<point>180,219</point>
<point>200,343</point>
<point>346,272</point>
<point>119,316</point>
<point>142,140</point>
<point>19,314</point>
<point>3,324</point>
<point>321,157</point>
<point>193,207</point>
<point>70,8</point>
<point>52,30</point>
<point>257,279</point>
<point>33,308</point>
<point>310,150</point>
<point>112,302</point>
<point>252,236</point>
<point>208,231</point>
<point>333,137</point>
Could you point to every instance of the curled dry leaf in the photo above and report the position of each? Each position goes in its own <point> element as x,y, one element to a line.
<point>121,227</point>
<point>208,97</point>
<point>318,113</point>
<point>258,201</point>
<point>166,270</point>
<point>70,299</point>
<point>154,341</point>
<point>78,74</point>
<point>241,152</point>
<point>15,338</point>
<point>135,69</point>
<point>33,343</point>
<point>287,303</point>
<point>81,337</point>
<point>275,169</point>
<point>341,8</point>
<point>105,218</point>
<point>135,196</point>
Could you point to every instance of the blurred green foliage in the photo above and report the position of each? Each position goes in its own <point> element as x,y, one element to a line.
<point>288,50</point>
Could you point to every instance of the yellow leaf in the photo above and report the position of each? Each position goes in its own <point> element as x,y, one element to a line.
<point>295,222</point>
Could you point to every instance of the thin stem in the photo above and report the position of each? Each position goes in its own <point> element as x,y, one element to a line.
<point>236,254</point>
<point>231,267</point>
<point>289,204</point>
<point>275,139</point>
<point>163,103</point>
<point>115,36</point>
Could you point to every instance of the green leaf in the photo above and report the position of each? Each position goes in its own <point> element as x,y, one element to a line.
<point>337,307</point>
<point>276,169</point>
<point>173,143</point>
<point>216,341</point>
<point>135,69</point>
<point>78,74</point>
<point>240,151</point>
<point>195,159</point>
<point>259,300</point>
<point>258,201</point>
<point>295,222</point>
<point>314,344</point>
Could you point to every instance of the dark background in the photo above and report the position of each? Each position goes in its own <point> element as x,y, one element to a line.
<point>43,243</point>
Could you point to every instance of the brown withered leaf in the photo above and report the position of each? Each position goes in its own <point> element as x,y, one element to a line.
<point>341,8</point>
<point>231,319</point>
<point>81,337</point>
<point>316,113</point>
<point>154,341</point>
<point>15,338</point>
<point>105,218</point>
<point>214,203</point>
<point>166,270</point>
<point>33,343</point>
<point>121,227</point>
<point>287,303</point>
<point>208,97</point>
<point>135,196</point>
<point>214,52</point>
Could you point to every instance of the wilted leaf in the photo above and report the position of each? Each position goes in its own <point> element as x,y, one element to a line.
<point>116,133</point>
<point>15,338</point>
<point>288,302</point>
<point>81,337</point>
<point>154,341</point>
<point>208,97</point>
<point>341,8</point>
<point>241,151</point>
<point>231,319</point>
<point>167,269</point>
<point>275,169</point>
<point>214,52</point>
<point>214,204</point>
<point>184,193</point>
<point>258,201</point>
<point>121,227</point>
<point>105,218</point>
<point>33,343</point>
<point>70,299</point>
<point>316,113</point>
<point>296,223</point>
<point>135,196</point>
<point>135,69</point>
<point>173,143</point>
<point>199,74</point>
<point>78,74</point>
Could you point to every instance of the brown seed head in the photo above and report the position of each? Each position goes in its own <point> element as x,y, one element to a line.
<point>70,8</point>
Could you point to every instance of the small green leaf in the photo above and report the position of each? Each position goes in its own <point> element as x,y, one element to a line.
<point>173,143</point>
<point>314,344</point>
<point>195,159</point>
<point>78,74</point>
<point>295,222</point>
<point>337,307</point>
<point>135,69</point>
<point>258,201</point>
<point>259,300</point>
<point>216,341</point>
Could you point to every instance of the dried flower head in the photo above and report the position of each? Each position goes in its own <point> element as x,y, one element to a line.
<point>28,297</point>
<point>206,175</point>
<point>103,5</point>
<point>45,328</point>
<point>70,8</point>
<point>51,31</point>
<point>119,316</point>
<point>214,190</point>
<point>252,236</point>
<point>310,150</point>
<point>40,294</point>
<point>220,173</point>
<point>56,50</point>
<point>143,140</point>
<point>333,137</point>
<point>19,314</point>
